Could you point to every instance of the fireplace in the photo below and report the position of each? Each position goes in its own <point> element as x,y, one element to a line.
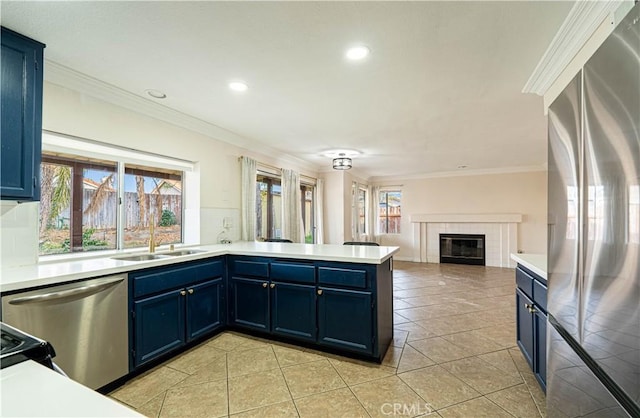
<point>462,249</point>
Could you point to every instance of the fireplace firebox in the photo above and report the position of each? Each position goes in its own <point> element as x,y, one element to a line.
<point>462,249</point>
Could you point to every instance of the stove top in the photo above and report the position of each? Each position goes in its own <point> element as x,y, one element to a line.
<point>17,346</point>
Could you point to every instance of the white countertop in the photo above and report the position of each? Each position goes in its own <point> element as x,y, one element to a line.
<point>537,263</point>
<point>50,273</point>
<point>29,389</point>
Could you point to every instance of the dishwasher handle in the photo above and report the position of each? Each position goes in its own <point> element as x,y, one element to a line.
<point>68,295</point>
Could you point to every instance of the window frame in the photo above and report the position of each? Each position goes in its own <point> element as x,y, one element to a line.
<point>270,181</point>
<point>312,217</point>
<point>64,149</point>
<point>379,215</point>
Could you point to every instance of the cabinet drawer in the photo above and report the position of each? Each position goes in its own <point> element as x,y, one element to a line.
<point>292,272</point>
<point>524,281</point>
<point>151,281</point>
<point>250,268</point>
<point>540,295</point>
<point>342,277</point>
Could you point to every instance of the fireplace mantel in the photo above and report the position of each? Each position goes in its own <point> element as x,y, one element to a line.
<point>467,218</point>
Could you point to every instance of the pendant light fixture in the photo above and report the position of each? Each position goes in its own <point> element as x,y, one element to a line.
<point>342,162</point>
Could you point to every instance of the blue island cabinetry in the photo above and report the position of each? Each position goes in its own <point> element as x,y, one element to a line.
<point>337,306</point>
<point>21,116</point>
<point>341,306</point>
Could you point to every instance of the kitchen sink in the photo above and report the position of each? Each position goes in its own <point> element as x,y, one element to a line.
<point>140,257</point>
<point>183,252</point>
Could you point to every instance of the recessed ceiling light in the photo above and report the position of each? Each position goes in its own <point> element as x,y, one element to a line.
<point>238,86</point>
<point>357,53</point>
<point>156,94</point>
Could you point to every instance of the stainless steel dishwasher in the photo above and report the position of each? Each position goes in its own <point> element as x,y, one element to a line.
<point>86,322</point>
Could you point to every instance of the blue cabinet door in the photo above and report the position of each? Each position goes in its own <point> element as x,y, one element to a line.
<point>250,303</point>
<point>540,353</point>
<point>293,310</point>
<point>21,117</point>
<point>159,325</point>
<point>524,326</point>
<point>345,319</point>
<point>205,308</point>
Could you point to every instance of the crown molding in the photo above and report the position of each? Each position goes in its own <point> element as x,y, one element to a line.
<point>66,77</point>
<point>582,21</point>
<point>460,173</point>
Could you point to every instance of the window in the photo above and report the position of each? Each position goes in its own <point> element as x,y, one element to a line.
<point>389,212</point>
<point>362,210</point>
<point>358,211</point>
<point>93,198</point>
<point>268,207</point>
<point>308,213</point>
<point>78,207</point>
<point>152,195</point>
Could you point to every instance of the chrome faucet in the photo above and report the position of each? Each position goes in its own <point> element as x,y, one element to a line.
<point>152,238</point>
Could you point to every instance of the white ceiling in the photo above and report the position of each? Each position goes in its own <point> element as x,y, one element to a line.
<point>441,88</point>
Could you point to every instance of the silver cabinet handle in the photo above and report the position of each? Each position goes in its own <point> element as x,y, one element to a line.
<point>67,295</point>
<point>190,291</point>
<point>183,292</point>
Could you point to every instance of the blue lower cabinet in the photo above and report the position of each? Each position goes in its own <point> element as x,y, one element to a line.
<point>205,308</point>
<point>524,326</point>
<point>540,348</point>
<point>531,321</point>
<point>159,325</point>
<point>293,310</point>
<point>250,303</point>
<point>345,319</point>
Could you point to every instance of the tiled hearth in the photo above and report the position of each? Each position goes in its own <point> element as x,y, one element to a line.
<point>500,230</point>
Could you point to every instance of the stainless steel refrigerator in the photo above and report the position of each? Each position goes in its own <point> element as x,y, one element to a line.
<point>593,339</point>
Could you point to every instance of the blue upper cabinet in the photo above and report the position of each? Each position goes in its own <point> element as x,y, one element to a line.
<point>21,117</point>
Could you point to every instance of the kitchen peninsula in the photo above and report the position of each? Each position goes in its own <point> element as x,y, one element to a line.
<point>332,297</point>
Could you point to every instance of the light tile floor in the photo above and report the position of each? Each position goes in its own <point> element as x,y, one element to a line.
<point>453,355</point>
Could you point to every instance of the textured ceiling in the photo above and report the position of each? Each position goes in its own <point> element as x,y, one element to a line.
<point>441,88</point>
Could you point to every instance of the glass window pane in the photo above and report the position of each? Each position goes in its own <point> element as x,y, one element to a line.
<point>390,214</point>
<point>262,189</point>
<point>152,197</point>
<point>99,208</point>
<point>362,211</point>
<point>55,208</point>
<point>307,213</point>
<point>276,208</point>
<point>78,208</point>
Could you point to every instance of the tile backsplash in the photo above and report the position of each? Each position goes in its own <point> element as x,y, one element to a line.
<point>219,223</point>
<point>19,233</point>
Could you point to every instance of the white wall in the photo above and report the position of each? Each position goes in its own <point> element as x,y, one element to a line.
<point>334,214</point>
<point>72,113</point>
<point>524,193</point>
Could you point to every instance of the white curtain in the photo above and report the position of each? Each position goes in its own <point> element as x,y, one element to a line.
<point>248,199</point>
<point>319,211</point>
<point>372,213</point>
<point>291,206</point>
